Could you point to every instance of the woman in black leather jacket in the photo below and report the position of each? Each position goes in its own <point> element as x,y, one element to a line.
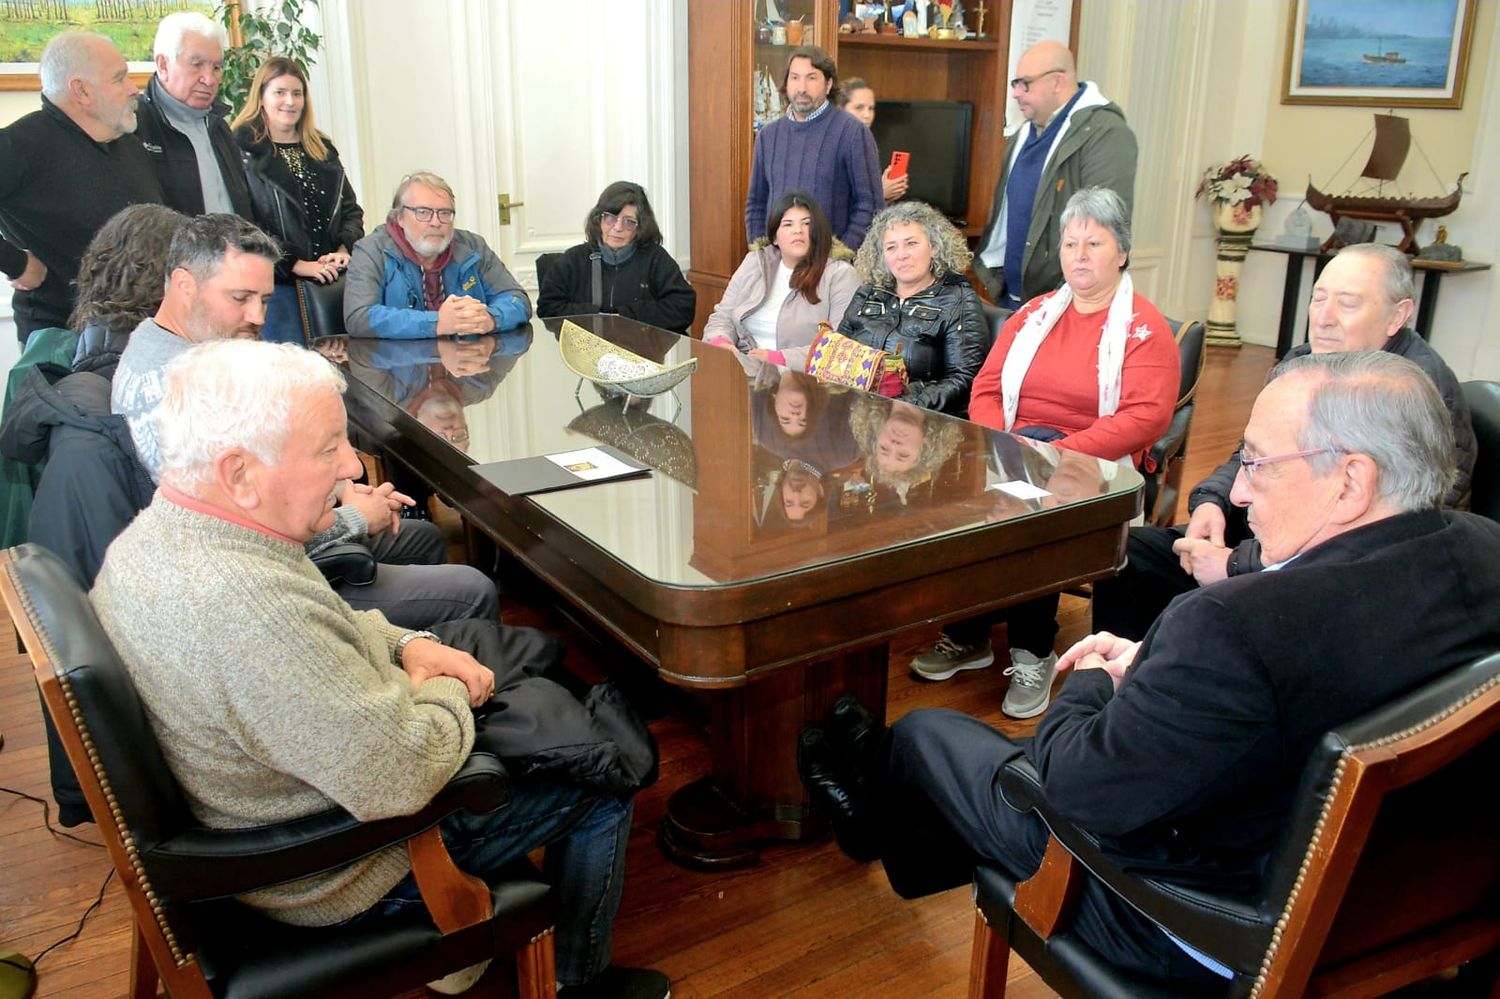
<point>299,191</point>
<point>916,302</point>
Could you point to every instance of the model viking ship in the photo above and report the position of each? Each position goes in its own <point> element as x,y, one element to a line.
<point>1387,156</point>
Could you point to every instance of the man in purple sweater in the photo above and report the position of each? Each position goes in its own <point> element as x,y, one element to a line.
<point>818,148</point>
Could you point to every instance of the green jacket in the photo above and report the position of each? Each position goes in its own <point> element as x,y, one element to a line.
<point>1098,149</point>
<point>18,480</point>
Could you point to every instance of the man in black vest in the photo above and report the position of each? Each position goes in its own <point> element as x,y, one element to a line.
<point>183,123</point>
<point>65,170</point>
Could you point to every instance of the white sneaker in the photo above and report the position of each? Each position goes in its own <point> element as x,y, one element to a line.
<point>1030,684</point>
<point>461,980</point>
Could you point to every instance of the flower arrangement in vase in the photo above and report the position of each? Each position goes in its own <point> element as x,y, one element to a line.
<point>1237,188</point>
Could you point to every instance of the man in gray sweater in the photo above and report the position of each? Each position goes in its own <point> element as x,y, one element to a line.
<point>273,699</point>
<point>219,276</point>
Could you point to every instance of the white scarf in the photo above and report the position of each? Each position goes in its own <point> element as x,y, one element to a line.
<point>1039,324</point>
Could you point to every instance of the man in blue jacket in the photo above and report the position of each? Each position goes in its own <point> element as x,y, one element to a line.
<point>417,276</point>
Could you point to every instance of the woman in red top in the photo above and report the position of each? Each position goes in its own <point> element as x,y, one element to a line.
<point>1091,367</point>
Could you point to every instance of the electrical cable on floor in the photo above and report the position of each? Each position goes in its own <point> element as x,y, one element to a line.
<point>98,901</point>
<point>47,817</point>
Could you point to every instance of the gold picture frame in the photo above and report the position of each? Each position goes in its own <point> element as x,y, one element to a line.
<point>1348,53</point>
<point>132,23</point>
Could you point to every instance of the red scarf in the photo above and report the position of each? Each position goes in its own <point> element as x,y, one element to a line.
<point>432,278</point>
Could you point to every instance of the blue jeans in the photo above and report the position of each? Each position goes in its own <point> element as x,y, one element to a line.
<point>585,833</point>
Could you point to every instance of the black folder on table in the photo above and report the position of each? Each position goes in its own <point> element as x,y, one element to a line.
<point>540,474</point>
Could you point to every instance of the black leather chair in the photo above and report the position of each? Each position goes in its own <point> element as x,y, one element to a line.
<point>544,263</point>
<point>1387,872</point>
<point>322,308</point>
<point>180,877</point>
<point>1484,410</point>
<point>1169,453</point>
<point>995,317</point>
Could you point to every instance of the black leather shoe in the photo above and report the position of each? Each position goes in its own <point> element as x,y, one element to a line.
<point>855,733</point>
<point>836,793</point>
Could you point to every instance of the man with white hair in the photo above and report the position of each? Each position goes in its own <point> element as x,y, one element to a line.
<point>183,126</point>
<point>1182,753</point>
<point>65,170</point>
<point>274,700</point>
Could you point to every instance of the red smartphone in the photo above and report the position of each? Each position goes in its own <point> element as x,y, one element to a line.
<point>898,163</point>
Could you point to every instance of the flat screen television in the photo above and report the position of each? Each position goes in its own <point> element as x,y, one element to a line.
<point>937,135</point>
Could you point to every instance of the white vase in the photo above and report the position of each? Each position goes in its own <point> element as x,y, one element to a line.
<point>1236,225</point>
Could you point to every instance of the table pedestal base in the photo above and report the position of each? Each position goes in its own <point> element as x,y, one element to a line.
<point>754,795</point>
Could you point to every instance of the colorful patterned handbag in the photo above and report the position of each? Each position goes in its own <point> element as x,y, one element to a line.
<point>836,358</point>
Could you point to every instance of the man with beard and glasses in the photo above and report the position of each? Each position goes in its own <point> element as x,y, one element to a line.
<point>65,170</point>
<point>818,148</point>
<point>416,276</point>
<point>220,274</point>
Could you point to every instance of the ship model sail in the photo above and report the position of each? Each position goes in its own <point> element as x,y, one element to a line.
<point>1387,156</point>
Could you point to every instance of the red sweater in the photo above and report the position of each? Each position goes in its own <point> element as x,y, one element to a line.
<point>1061,389</point>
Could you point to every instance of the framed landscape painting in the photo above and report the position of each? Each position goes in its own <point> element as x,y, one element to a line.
<point>27,25</point>
<point>1378,53</point>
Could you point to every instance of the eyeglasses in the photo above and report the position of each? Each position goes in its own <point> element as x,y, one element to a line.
<point>609,220</point>
<point>423,214</point>
<point>1249,465</point>
<point>1023,83</point>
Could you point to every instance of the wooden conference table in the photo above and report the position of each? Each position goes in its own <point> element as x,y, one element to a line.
<point>699,570</point>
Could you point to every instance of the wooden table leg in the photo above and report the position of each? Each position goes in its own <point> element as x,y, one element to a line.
<point>754,795</point>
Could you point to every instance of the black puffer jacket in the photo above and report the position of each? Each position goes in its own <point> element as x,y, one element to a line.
<point>276,201</point>
<point>176,164</point>
<point>940,331</point>
<point>93,484</point>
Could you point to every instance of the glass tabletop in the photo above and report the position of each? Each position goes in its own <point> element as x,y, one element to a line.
<point>757,471</point>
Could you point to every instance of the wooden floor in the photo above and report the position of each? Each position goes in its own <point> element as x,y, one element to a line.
<point>806,921</point>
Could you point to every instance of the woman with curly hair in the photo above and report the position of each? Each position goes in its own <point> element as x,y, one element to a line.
<point>620,268</point>
<point>121,280</point>
<point>916,302</point>
<point>903,447</point>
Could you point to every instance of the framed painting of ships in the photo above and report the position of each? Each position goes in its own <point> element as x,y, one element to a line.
<point>1378,53</point>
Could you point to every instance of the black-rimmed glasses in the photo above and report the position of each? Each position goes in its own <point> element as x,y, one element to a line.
<point>424,214</point>
<point>1023,83</point>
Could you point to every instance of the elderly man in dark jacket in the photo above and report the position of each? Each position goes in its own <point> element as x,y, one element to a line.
<point>1362,301</point>
<point>183,127</point>
<point>1182,753</point>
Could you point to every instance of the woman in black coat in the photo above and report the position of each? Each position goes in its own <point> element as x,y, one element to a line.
<point>299,191</point>
<point>916,302</point>
<point>621,269</point>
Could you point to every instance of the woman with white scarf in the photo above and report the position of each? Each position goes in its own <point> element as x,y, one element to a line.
<point>1091,367</point>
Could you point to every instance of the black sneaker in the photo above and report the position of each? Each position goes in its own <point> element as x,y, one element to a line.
<point>615,982</point>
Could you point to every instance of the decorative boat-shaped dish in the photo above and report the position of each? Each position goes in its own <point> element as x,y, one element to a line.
<point>601,362</point>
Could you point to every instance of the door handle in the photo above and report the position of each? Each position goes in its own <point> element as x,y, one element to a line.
<point>505,206</point>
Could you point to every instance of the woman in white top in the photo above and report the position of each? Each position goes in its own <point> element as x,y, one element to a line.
<point>789,282</point>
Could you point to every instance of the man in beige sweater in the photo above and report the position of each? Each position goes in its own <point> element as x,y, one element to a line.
<point>273,699</point>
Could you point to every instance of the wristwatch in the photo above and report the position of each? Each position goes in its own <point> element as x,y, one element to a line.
<point>412,636</point>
